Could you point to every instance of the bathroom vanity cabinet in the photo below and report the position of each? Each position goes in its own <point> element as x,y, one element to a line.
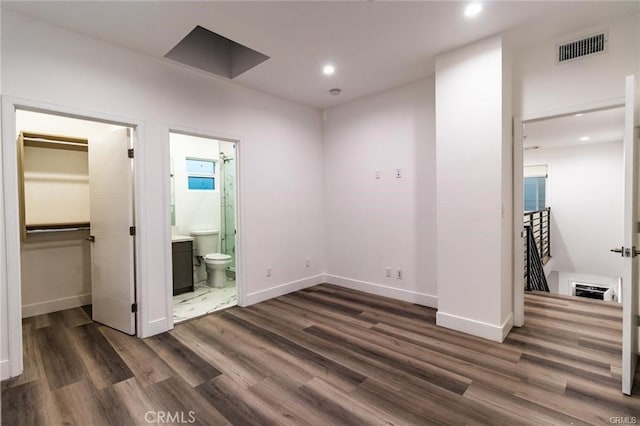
<point>182,253</point>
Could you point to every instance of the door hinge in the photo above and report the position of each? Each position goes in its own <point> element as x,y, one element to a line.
<point>132,230</point>
<point>134,308</point>
<point>130,152</point>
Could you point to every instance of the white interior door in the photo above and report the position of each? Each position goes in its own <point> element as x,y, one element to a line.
<point>630,276</point>
<point>112,248</point>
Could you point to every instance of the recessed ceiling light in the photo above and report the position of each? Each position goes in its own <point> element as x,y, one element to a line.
<point>472,10</point>
<point>584,138</point>
<point>328,70</point>
<point>579,115</point>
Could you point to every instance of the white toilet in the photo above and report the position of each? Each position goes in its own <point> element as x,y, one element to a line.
<point>206,247</point>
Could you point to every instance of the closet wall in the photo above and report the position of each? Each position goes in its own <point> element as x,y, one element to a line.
<point>56,266</point>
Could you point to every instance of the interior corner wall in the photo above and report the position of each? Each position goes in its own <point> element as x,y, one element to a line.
<point>373,223</point>
<point>470,174</point>
<point>280,159</point>
<point>542,87</point>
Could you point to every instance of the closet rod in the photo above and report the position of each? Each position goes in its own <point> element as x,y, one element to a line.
<point>43,231</point>
<point>58,227</point>
<point>49,137</point>
<point>38,140</point>
<point>42,141</point>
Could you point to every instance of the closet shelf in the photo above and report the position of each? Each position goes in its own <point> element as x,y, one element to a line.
<point>39,140</point>
<point>57,227</point>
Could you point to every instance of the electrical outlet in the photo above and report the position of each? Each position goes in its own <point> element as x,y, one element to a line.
<point>398,173</point>
<point>307,263</point>
<point>388,271</point>
<point>268,271</point>
<point>399,274</point>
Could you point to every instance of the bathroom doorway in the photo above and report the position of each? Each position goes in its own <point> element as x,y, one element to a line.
<point>203,224</point>
<point>75,185</point>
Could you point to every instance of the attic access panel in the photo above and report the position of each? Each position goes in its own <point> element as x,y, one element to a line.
<point>213,53</point>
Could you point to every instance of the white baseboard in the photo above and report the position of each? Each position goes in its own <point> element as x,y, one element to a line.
<point>155,327</point>
<point>281,289</point>
<point>476,328</point>
<point>4,370</point>
<point>55,305</point>
<point>383,290</point>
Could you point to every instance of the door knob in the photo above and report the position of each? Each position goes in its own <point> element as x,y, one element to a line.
<point>91,239</point>
<point>626,252</point>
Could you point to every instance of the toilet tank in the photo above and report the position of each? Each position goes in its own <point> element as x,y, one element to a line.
<point>205,241</point>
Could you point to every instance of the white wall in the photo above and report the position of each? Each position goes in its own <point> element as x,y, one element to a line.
<point>542,87</point>
<point>281,207</point>
<point>586,198</point>
<point>374,223</point>
<point>195,210</point>
<point>472,164</point>
<point>56,272</point>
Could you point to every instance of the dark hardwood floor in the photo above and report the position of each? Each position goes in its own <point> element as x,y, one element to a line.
<point>325,356</point>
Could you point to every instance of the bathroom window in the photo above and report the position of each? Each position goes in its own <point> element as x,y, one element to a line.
<point>200,174</point>
<point>202,183</point>
<point>201,167</point>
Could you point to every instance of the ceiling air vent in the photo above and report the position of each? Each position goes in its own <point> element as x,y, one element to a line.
<point>586,46</point>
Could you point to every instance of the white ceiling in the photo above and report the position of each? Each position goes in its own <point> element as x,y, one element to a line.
<point>599,126</point>
<point>374,45</point>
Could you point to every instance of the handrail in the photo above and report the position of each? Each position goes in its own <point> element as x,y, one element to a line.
<point>536,280</point>
<point>537,225</point>
<point>540,222</point>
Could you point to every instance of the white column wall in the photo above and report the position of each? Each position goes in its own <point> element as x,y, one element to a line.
<point>471,167</point>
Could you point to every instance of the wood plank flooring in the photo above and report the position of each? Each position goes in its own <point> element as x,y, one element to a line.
<point>325,356</point>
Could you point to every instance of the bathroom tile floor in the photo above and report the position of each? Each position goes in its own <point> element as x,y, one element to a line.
<point>203,300</point>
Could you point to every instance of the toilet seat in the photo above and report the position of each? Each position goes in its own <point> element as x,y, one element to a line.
<point>217,257</point>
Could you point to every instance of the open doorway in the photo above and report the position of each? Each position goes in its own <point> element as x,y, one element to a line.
<point>573,204</point>
<point>75,186</point>
<point>600,175</point>
<point>203,224</point>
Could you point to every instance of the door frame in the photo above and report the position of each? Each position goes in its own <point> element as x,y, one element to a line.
<point>10,255</point>
<point>239,212</point>
<point>518,208</point>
